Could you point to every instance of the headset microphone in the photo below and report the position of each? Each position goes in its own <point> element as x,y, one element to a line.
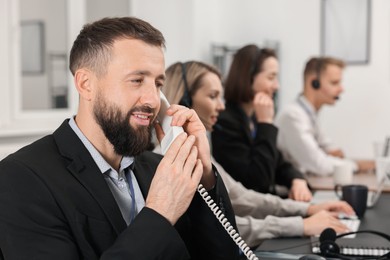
<point>336,97</point>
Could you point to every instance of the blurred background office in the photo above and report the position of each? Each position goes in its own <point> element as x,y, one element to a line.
<point>37,93</point>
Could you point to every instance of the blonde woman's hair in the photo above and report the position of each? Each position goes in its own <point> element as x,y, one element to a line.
<point>184,79</point>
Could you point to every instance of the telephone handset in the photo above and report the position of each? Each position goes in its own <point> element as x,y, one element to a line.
<point>171,132</point>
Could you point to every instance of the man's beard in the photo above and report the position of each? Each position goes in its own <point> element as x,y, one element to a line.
<point>127,141</point>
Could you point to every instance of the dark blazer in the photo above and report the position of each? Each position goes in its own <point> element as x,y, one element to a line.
<point>55,204</point>
<point>254,161</point>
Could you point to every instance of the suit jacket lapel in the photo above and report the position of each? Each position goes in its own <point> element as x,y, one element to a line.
<point>84,169</point>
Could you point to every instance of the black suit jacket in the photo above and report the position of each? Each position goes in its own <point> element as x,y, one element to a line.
<point>55,204</point>
<point>254,161</point>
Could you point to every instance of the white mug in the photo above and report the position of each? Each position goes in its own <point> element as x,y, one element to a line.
<point>343,173</point>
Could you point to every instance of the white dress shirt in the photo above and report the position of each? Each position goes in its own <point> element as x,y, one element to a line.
<point>302,141</point>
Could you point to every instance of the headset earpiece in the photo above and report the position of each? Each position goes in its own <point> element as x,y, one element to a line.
<point>186,99</point>
<point>315,84</point>
<point>328,246</point>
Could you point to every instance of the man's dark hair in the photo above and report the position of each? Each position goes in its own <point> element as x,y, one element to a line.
<point>92,47</point>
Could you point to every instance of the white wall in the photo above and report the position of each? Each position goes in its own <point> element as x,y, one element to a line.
<point>190,27</point>
<point>362,115</point>
<point>175,19</point>
<point>97,9</point>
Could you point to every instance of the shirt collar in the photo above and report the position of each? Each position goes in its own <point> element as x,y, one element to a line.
<point>306,105</point>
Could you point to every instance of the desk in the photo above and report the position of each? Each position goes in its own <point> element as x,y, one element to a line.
<point>376,218</point>
<point>326,182</point>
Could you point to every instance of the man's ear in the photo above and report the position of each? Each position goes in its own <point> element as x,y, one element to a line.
<point>83,80</point>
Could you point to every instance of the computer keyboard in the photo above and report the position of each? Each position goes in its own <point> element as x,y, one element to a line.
<point>352,224</point>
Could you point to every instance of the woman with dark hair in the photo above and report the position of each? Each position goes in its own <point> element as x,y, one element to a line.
<point>245,141</point>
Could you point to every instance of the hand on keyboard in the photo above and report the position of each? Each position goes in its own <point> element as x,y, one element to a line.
<point>316,223</point>
<point>352,224</point>
<point>332,206</point>
<point>325,215</point>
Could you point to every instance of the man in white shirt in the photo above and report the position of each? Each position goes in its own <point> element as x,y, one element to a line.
<point>300,138</point>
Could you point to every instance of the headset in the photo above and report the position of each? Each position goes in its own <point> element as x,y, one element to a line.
<point>329,248</point>
<point>316,82</point>
<point>186,99</point>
